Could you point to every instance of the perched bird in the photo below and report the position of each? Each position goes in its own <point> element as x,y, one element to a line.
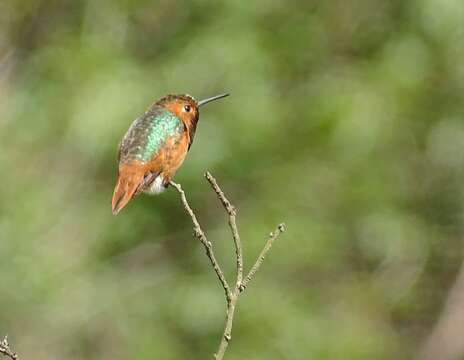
<point>155,146</point>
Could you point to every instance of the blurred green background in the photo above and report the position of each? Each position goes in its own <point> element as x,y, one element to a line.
<point>345,121</point>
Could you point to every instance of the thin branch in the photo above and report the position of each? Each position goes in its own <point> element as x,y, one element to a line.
<point>232,224</point>
<point>200,235</point>
<point>5,349</point>
<point>227,334</point>
<point>272,237</point>
<point>240,283</point>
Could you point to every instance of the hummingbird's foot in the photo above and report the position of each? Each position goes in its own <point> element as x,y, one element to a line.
<point>147,182</point>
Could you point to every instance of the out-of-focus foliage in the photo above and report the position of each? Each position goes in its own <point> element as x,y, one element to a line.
<point>345,121</point>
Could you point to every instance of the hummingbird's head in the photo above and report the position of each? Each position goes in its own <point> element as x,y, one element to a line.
<point>185,107</point>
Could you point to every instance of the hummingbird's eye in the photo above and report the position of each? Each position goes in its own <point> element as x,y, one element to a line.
<point>187,108</point>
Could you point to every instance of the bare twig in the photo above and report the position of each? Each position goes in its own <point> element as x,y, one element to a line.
<point>200,235</point>
<point>5,349</point>
<point>272,236</point>
<point>240,283</point>
<point>232,223</point>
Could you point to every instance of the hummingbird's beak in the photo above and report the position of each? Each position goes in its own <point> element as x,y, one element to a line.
<point>205,101</point>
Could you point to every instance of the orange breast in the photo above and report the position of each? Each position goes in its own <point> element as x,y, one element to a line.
<point>170,157</point>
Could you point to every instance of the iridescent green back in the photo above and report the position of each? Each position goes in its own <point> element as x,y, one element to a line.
<point>147,135</point>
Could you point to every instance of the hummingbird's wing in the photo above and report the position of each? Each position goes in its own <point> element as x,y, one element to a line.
<point>147,135</point>
<point>143,142</point>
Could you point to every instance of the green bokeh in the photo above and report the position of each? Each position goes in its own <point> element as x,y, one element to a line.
<point>345,121</point>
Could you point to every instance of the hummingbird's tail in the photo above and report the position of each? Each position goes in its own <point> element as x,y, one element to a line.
<point>129,180</point>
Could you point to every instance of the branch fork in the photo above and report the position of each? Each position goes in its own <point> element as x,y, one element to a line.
<point>241,282</point>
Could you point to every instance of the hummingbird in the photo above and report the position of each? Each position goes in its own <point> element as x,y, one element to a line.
<point>155,146</point>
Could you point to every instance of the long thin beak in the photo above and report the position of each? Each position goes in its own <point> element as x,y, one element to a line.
<point>205,101</point>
